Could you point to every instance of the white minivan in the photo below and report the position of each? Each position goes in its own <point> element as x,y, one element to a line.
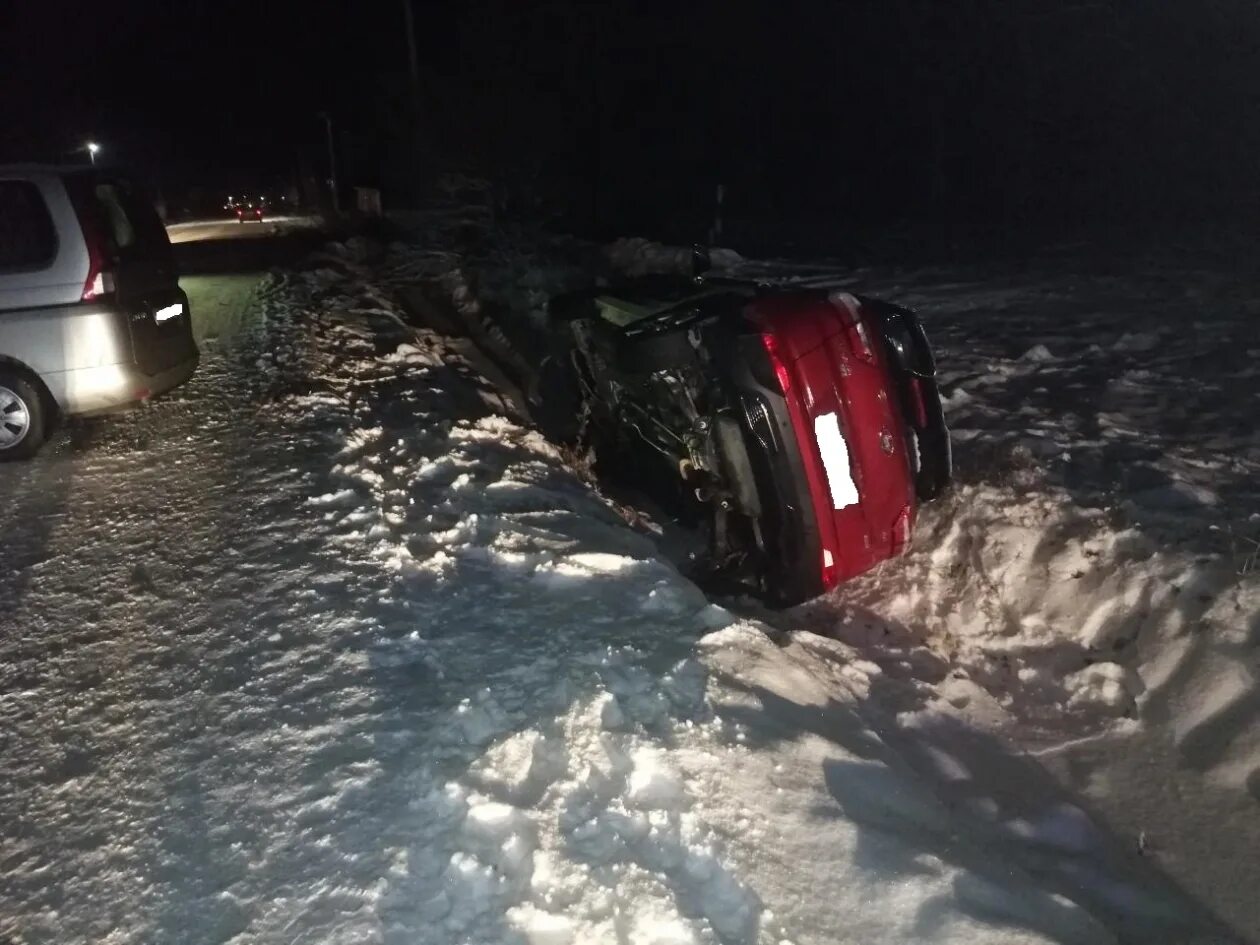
<point>92,318</point>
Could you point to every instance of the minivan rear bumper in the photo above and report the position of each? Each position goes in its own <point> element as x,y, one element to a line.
<point>112,387</point>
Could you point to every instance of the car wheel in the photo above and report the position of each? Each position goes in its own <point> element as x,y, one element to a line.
<point>21,417</point>
<point>556,398</point>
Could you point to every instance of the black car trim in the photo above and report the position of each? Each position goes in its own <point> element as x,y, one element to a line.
<point>935,454</point>
<point>793,570</point>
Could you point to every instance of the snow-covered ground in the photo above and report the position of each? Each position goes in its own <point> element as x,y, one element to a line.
<point>1091,589</point>
<point>1093,585</point>
<point>330,647</point>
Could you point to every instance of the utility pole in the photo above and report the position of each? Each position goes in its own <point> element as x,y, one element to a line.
<point>332,162</point>
<point>415,178</point>
<point>413,59</point>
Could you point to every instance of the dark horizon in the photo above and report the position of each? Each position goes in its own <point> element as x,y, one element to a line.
<point>1001,113</point>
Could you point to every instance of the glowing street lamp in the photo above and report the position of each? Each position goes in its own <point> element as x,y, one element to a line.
<point>92,148</point>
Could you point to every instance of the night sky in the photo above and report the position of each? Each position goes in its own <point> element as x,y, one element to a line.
<point>625,114</point>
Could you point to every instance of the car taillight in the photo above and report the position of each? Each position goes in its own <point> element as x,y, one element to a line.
<point>830,572</point>
<point>771,345</point>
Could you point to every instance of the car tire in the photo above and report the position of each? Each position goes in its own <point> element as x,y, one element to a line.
<point>22,417</point>
<point>556,398</point>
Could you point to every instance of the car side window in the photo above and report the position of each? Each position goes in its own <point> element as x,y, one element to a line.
<point>28,239</point>
<point>120,226</point>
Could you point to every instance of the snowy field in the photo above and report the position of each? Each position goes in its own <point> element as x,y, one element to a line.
<point>329,647</point>
<point>1090,591</point>
<point>1093,585</point>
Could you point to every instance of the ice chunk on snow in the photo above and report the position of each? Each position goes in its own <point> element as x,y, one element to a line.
<point>1037,354</point>
<point>1136,342</point>
<point>519,767</point>
<point>474,887</point>
<point>501,836</point>
<point>1106,686</point>
<point>542,928</point>
<point>581,567</point>
<point>653,786</point>
<point>653,924</point>
<point>494,821</point>
<point>599,562</point>
<point>337,499</point>
<point>479,721</point>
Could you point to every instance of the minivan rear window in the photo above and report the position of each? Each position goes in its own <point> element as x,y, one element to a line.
<point>27,237</point>
<point>121,212</point>
<point>121,228</point>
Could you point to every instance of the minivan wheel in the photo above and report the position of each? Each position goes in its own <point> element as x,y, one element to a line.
<point>21,417</point>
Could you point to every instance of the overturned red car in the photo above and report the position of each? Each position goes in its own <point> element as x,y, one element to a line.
<point>798,425</point>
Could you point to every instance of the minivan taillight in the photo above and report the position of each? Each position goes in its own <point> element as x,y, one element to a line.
<point>99,284</point>
<point>99,281</point>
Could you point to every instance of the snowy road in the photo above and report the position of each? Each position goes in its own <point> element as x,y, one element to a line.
<point>322,649</point>
<point>226,229</point>
<point>134,601</point>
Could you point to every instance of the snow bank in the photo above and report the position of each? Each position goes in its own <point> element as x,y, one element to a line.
<point>587,759</point>
<point>1090,580</point>
<point>1053,608</point>
<point>1091,585</point>
<point>369,663</point>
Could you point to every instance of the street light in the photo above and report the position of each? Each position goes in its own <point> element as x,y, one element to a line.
<point>92,148</point>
